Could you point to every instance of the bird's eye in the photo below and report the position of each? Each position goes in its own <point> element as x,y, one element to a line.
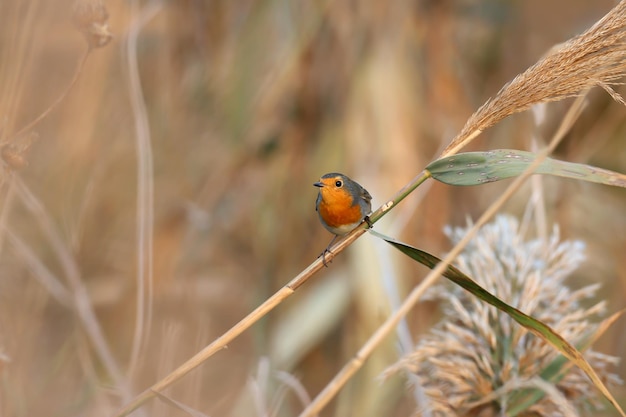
<point>338,183</point>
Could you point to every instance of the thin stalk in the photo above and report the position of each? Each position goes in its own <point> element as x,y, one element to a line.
<point>145,189</point>
<point>46,112</point>
<point>343,376</point>
<point>278,297</point>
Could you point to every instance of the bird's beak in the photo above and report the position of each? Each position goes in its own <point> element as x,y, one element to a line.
<point>319,184</point>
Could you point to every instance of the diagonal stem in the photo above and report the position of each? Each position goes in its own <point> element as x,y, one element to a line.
<point>344,375</point>
<point>267,306</point>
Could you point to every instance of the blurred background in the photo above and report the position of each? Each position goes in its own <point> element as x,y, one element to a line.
<point>246,104</point>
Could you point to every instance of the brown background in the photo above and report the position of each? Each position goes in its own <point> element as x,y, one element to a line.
<point>248,104</point>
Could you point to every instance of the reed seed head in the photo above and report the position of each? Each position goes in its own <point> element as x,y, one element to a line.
<point>478,361</point>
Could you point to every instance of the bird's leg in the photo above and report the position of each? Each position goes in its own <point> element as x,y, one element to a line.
<point>323,254</point>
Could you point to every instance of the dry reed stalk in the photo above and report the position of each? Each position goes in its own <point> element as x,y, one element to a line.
<point>596,58</point>
<point>91,19</point>
<point>14,145</point>
<point>79,295</point>
<point>411,300</point>
<point>76,293</point>
<point>145,189</point>
<point>245,323</point>
<point>59,100</point>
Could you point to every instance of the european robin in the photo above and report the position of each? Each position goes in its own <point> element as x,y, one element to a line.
<point>342,205</point>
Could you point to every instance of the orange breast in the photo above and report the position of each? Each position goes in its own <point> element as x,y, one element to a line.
<point>337,210</point>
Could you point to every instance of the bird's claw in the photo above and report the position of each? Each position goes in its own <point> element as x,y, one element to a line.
<point>367,220</point>
<point>323,255</point>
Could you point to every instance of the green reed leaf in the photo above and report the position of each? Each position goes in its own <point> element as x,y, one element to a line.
<point>557,369</point>
<point>535,326</point>
<point>475,168</point>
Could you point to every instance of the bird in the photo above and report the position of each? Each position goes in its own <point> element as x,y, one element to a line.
<point>342,204</point>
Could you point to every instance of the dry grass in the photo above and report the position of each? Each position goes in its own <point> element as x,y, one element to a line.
<point>247,104</point>
<point>594,58</point>
<point>476,360</point>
